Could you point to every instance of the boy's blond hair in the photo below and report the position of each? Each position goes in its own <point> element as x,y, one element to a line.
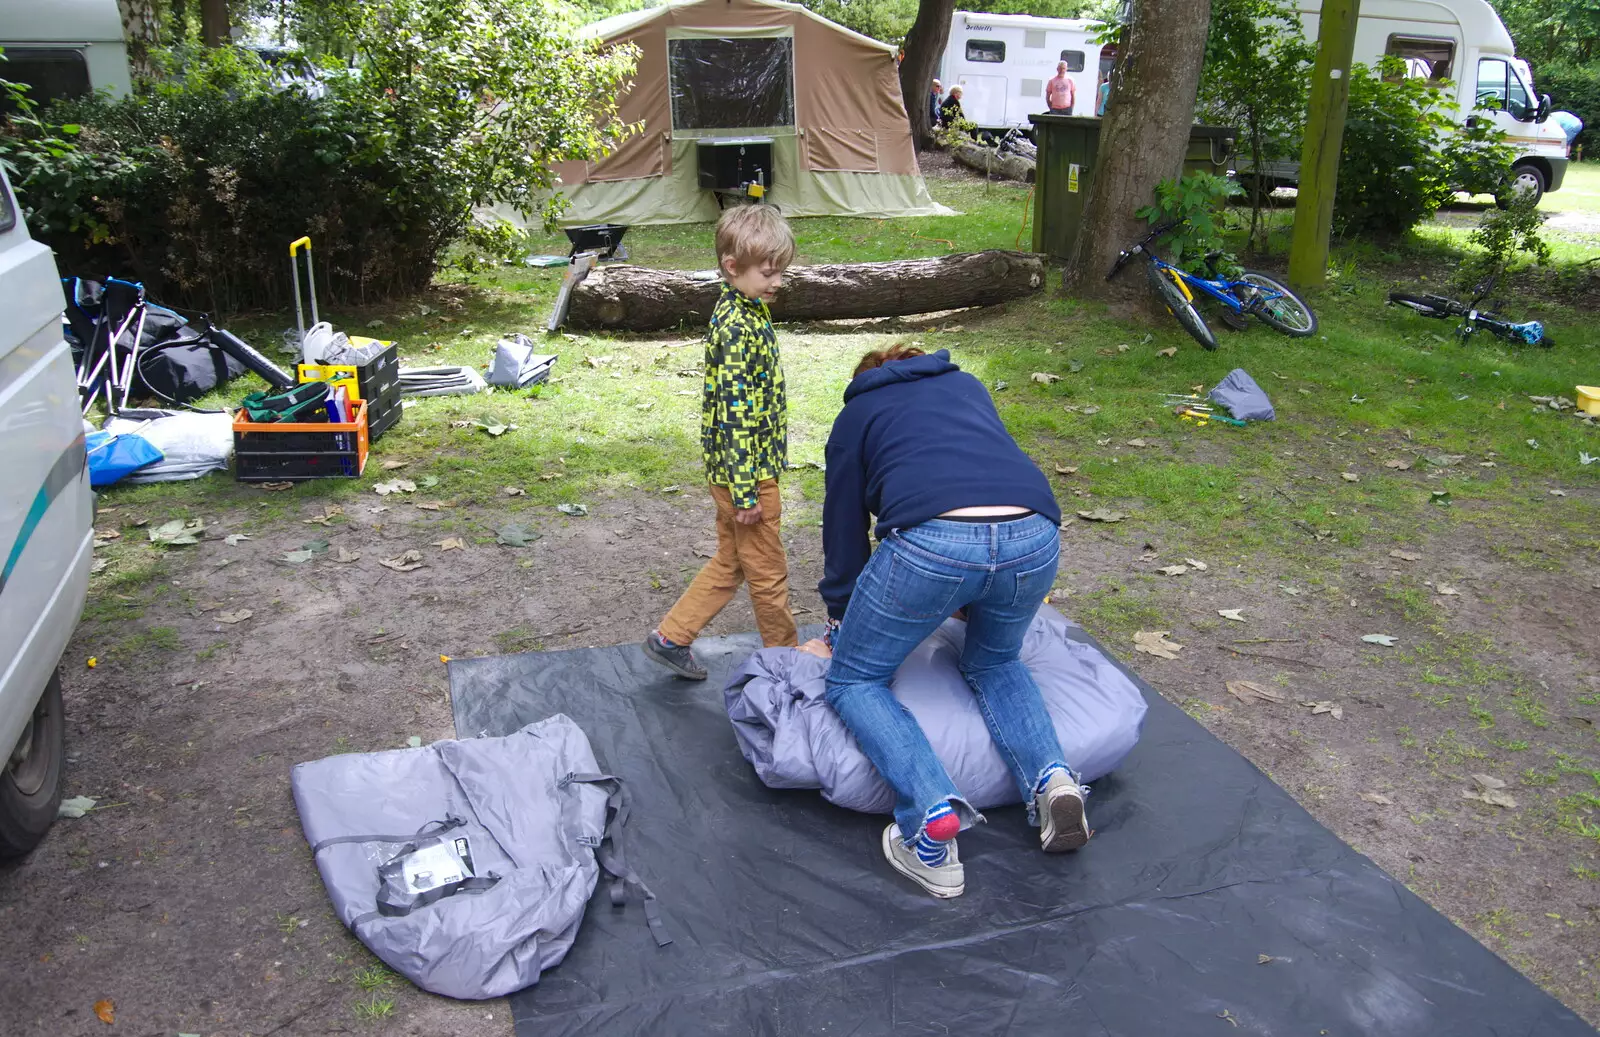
<point>752,235</point>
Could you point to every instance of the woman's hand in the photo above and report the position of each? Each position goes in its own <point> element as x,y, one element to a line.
<point>817,647</point>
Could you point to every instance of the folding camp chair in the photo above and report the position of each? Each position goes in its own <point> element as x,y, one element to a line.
<point>107,367</point>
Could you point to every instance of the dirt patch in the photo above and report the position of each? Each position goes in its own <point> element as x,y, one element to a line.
<point>189,898</point>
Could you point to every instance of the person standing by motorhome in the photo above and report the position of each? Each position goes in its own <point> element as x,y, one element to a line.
<point>1102,94</point>
<point>933,102</point>
<point>744,436</point>
<point>1060,94</point>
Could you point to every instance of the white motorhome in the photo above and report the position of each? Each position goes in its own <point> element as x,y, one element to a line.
<point>64,48</point>
<point>1465,43</point>
<point>1002,62</point>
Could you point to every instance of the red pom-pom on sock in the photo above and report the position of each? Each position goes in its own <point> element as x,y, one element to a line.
<point>943,829</point>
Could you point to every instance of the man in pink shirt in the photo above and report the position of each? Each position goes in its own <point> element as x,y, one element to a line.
<point>1059,93</point>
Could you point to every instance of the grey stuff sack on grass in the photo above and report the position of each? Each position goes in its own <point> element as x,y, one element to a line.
<point>795,740</point>
<point>466,866</point>
<point>1244,399</point>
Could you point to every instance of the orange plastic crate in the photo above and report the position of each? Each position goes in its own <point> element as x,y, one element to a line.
<point>292,450</point>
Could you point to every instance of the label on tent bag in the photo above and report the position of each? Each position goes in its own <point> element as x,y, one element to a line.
<point>427,870</point>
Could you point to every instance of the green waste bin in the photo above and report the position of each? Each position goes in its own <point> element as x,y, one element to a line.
<point>1068,145</point>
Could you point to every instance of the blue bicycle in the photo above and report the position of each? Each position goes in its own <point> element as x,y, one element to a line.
<point>1251,294</point>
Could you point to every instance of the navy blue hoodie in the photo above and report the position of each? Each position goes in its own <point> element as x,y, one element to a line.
<point>916,438</point>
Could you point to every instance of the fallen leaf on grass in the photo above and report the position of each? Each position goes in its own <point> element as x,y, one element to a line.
<point>1440,497</point>
<point>1398,465</point>
<point>1045,378</point>
<point>297,557</point>
<point>329,513</point>
<point>1169,351</point>
<point>1337,712</point>
<point>1349,476</point>
<point>235,539</point>
<point>1139,443</point>
<point>391,464</point>
<point>644,406</point>
<point>428,505</point>
<point>515,534</point>
<point>234,617</point>
<point>1356,398</point>
<point>1154,642</point>
<point>1123,347</point>
<point>493,426</point>
<point>1233,614</point>
<point>346,556</point>
<point>1196,564</point>
<point>430,481</point>
<point>707,550</point>
<point>1173,570</point>
<point>1490,790</point>
<point>1263,959</point>
<point>513,491</point>
<point>450,544</point>
<point>1378,798</point>
<point>1405,556</point>
<point>415,741</point>
<point>1101,515</point>
<point>105,1011</point>
<point>101,535</point>
<point>276,486</point>
<point>75,807</point>
<point>1249,692</point>
<point>1089,409</point>
<point>98,566</point>
<point>576,510</point>
<point>1066,469</point>
<point>383,489</point>
<point>671,489</point>
<point>177,533</point>
<point>1486,464</point>
<point>1001,386</point>
<point>1447,590</point>
<point>1074,366</point>
<point>404,562</point>
<point>1558,493</point>
<point>1387,640</point>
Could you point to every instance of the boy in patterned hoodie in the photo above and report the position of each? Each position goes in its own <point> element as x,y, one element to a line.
<point>744,436</point>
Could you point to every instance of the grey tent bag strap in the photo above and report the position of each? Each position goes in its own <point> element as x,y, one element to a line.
<point>608,852</point>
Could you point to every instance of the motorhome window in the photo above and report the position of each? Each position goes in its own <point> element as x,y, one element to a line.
<point>1074,60</point>
<point>1033,39</point>
<point>986,50</point>
<point>721,84</point>
<point>1424,57</point>
<point>1501,88</point>
<point>8,211</point>
<point>49,74</point>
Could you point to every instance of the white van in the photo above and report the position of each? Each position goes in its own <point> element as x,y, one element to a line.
<point>64,48</point>
<point>1002,62</point>
<point>46,529</point>
<point>1464,42</point>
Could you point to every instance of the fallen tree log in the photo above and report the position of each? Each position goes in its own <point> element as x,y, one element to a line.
<point>990,161</point>
<point>636,298</point>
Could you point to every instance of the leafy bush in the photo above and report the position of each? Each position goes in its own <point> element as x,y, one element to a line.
<point>1195,203</point>
<point>1575,88</point>
<point>1503,234</point>
<point>1404,156</point>
<point>196,185</point>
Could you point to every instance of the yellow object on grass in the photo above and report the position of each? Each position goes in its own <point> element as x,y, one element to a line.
<point>1589,399</point>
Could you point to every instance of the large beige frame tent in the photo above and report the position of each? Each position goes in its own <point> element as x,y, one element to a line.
<point>828,98</point>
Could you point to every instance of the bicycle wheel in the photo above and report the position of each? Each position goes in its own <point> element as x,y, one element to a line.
<point>1279,308</point>
<point>1171,292</point>
<point>1428,305</point>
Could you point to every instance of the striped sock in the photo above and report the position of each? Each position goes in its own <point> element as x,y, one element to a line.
<point>1044,779</point>
<point>940,825</point>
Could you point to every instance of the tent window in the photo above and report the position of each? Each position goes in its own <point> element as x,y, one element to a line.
<point>1033,88</point>
<point>1033,39</point>
<point>1424,57</point>
<point>1074,60</point>
<point>731,84</point>
<point>986,50</point>
<point>50,75</point>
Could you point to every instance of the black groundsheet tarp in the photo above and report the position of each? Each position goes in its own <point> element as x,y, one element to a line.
<point>787,919</point>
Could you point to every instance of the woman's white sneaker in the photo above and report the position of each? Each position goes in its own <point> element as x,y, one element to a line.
<point>1062,823</point>
<point>947,880</point>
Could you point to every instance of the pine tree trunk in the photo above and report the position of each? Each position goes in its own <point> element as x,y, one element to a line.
<point>140,31</point>
<point>634,298</point>
<point>214,26</point>
<point>924,46</point>
<point>1142,141</point>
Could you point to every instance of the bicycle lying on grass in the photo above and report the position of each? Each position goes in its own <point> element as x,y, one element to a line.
<point>1529,333</point>
<point>1251,294</point>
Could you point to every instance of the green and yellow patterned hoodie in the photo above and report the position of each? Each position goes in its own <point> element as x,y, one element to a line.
<point>744,416</point>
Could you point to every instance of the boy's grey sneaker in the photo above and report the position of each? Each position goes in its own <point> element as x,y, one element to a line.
<point>947,880</point>
<point>677,658</point>
<point>1062,823</point>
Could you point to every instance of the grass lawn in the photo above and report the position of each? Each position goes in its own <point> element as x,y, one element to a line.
<point>1410,486</point>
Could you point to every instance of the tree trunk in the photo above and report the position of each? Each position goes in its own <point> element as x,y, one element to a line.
<point>989,161</point>
<point>1143,138</point>
<point>924,46</point>
<point>634,298</point>
<point>214,23</point>
<point>140,31</point>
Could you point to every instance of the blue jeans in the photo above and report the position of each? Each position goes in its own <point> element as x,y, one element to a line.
<point>1000,573</point>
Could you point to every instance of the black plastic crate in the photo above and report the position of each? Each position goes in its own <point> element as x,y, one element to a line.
<point>263,452</point>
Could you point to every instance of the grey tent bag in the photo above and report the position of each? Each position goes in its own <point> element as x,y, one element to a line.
<point>466,866</point>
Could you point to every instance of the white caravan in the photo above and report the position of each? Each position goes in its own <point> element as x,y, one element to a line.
<point>1464,42</point>
<point>1002,62</point>
<point>64,48</point>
